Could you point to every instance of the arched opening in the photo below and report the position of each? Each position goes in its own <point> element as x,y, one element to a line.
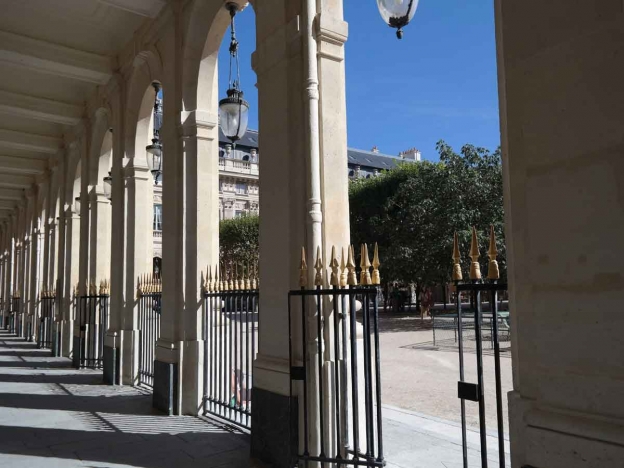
<point>222,183</point>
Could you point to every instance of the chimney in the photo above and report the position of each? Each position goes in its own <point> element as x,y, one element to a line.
<point>375,149</point>
<point>411,154</point>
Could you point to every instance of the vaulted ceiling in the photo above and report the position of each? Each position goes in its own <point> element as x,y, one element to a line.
<point>53,55</point>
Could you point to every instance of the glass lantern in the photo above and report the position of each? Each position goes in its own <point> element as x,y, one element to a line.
<point>154,158</point>
<point>397,13</point>
<point>108,186</point>
<point>77,205</point>
<point>234,115</point>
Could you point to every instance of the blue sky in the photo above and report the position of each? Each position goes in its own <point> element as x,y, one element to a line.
<point>439,82</point>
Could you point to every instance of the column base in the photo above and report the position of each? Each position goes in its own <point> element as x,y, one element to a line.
<point>67,333</point>
<point>29,331</point>
<point>111,365</point>
<point>77,346</point>
<point>55,347</point>
<point>166,386</point>
<point>274,433</point>
<point>553,437</point>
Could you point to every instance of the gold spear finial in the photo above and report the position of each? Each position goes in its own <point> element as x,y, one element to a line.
<point>235,278</point>
<point>303,269</point>
<point>138,289</point>
<point>343,270</point>
<point>376,279</point>
<point>457,271</point>
<point>493,272</point>
<point>351,277</point>
<point>220,275</point>
<point>248,277</point>
<point>334,265</point>
<point>318,266</point>
<point>475,268</point>
<point>365,264</point>
<point>231,286</point>
<point>209,275</point>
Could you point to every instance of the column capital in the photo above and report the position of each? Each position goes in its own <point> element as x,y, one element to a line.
<point>97,195</point>
<point>70,213</point>
<point>199,123</point>
<point>132,170</point>
<point>331,34</point>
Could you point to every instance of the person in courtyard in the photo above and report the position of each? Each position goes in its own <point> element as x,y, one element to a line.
<point>426,301</point>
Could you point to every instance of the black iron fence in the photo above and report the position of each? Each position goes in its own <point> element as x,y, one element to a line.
<point>149,293</point>
<point>446,329</point>
<point>46,319</point>
<point>335,370</point>
<point>231,345</point>
<point>481,294</point>
<point>92,317</point>
<point>15,322</point>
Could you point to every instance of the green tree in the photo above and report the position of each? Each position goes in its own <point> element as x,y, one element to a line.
<point>239,241</point>
<point>413,211</point>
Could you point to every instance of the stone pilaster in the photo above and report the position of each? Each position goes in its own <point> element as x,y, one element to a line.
<point>70,280</point>
<point>138,260</point>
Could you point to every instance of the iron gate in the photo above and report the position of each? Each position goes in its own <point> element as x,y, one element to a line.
<point>230,318</point>
<point>479,292</point>
<point>338,380</point>
<point>93,323</point>
<point>150,301</point>
<point>47,303</point>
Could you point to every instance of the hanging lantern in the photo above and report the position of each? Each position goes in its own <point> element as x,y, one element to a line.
<point>108,186</point>
<point>397,13</point>
<point>234,110</point>
<point>154,151</point>
<point>77,205</point>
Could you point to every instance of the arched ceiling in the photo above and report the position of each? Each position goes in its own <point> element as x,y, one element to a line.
<point>53,55</point>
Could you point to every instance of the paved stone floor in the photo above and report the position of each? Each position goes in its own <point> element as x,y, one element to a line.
<point>413,440</point>
<point>421,377</point>
<point>54,416</point>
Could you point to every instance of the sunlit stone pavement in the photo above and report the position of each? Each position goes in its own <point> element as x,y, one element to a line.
<point>52,415</point>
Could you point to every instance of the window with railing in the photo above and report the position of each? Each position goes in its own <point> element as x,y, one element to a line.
<point>157,217</point>
<point>241,188</point>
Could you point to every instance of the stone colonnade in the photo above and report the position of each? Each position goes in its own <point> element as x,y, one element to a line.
<point>66,235</point>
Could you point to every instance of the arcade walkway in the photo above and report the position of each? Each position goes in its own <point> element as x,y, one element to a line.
<point>53,416</point>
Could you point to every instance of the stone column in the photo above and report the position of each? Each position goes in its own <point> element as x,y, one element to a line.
<point>58,251</point>
<point>100,236</point>
<point>70,280</point>
<point>138,249</point>
<point>288,212</point>
<point>190,187</point>
<point>33,280</point>
<point>562,128</point>
<point>117,249</point>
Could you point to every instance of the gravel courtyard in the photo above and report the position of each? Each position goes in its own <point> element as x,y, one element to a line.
<point>420,377</point>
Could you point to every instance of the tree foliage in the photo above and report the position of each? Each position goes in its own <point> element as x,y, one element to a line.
<point>413,211</point>
<point>239,241</point>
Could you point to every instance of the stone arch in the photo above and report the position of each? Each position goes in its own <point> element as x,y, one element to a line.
<point>147,68</point>
<point>72,176</point>
<point>100,157</point>
<point>206,27</point>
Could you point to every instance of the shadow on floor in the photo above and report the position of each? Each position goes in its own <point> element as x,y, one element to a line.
<point>68,418</point>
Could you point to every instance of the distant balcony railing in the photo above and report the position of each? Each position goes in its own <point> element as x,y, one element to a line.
<point>157,233</point>
<point>236,165</point>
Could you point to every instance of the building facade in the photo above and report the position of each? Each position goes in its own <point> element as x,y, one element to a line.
<point>239,174</point>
